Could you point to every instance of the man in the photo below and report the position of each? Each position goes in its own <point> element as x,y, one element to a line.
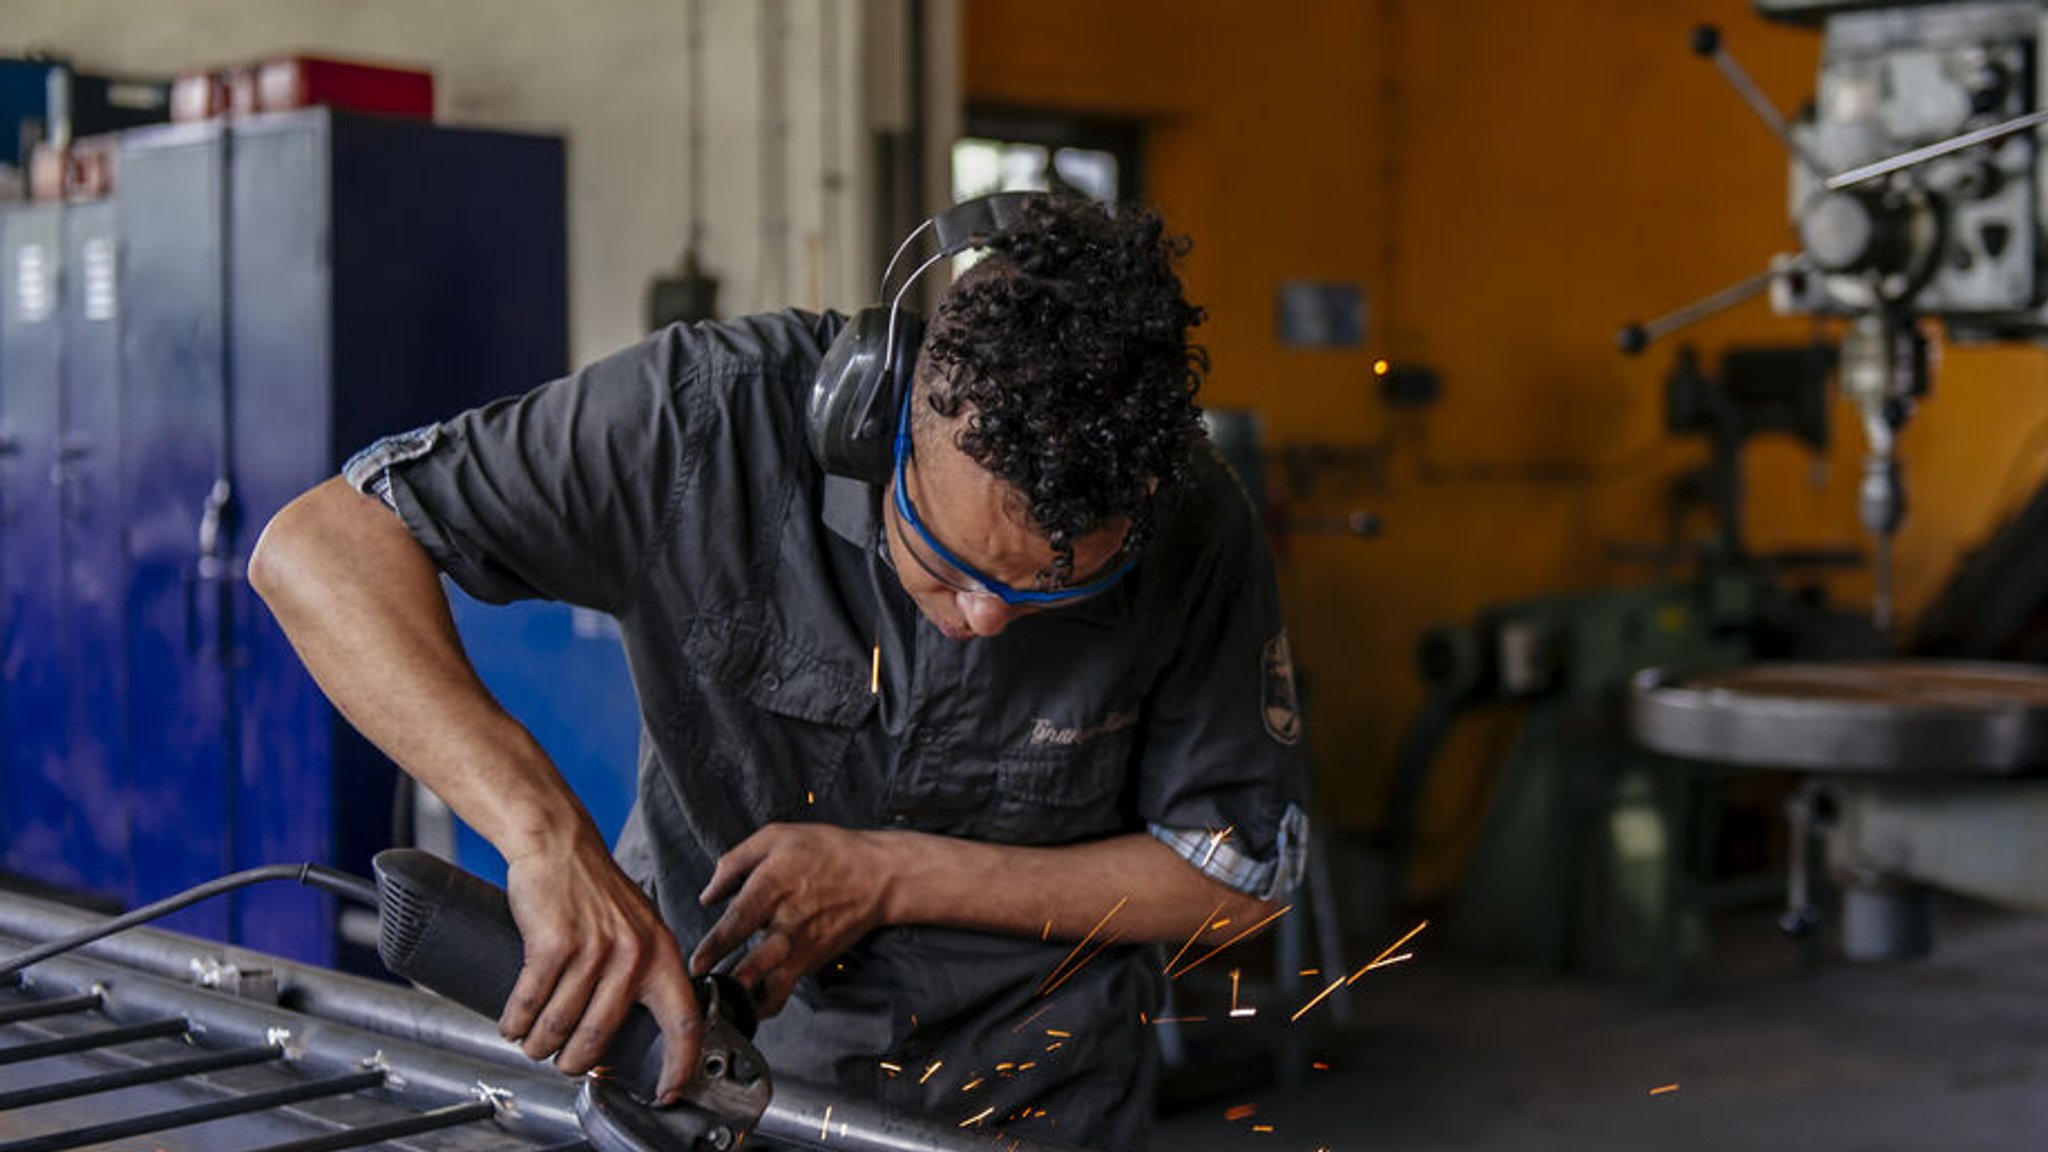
<point>905,744</point>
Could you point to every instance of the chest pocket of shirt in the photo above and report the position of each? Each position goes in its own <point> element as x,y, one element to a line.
<point>772,722</point>
<point>1054,794</point>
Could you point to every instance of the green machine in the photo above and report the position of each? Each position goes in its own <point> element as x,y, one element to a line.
<point>1594,855</point>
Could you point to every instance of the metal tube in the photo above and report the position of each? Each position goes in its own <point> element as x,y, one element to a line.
<point>15,1014</point>
<point>534,1100</point>
<point>87,1041</point>
<point>449,1117</point>
<point>798,1115</point>
<point>195,1114</point>
<point>369,1004</point>
<point>131,1077</point>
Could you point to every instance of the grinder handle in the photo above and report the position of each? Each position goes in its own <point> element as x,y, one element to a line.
<point>453,933</point>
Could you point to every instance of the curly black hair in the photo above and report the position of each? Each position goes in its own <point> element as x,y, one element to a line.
<point>1067,348</point>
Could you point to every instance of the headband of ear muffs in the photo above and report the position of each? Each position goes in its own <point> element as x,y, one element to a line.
<point>851,416</point>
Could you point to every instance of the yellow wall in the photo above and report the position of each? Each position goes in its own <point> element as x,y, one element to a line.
<point>1509,181</point>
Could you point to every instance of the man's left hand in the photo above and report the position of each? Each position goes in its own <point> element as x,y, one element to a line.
<point>811,890</point>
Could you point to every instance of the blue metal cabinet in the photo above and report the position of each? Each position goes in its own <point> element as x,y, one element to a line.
<point>283,290</point>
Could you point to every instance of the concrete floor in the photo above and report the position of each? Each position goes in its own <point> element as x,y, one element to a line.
<point>1949,1053</point>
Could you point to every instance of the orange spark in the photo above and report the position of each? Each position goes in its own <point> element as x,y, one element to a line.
<point>1262,1127</point>
<point>1026,1022</point>
<point>1216,840</point>
<point>1237,1013</point>
<point>891,1069</point>
<point>1662,1089</point>
<point>1242,1112</point>
<point>1199,929</point>
<point>977,1118</point>
<point>1310,972</point>
<point>936,1065</point>
<point>1318,999</point>
<point>1057,1034</point>
<point>1046,932</point>
<point>1055,1045</point>
<point>1391,949</point>
<point>971,1085</point>
<point>1053,979</point>
<point>1085,961</point>
<point>1320,1066</point>
<point>1194,964</point>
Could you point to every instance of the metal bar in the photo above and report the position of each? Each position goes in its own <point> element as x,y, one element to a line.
<point>130,1077</point>
<point>376,1020</point>
<point>1935,151</point>
<point>1739,79</point>
<point>196,1114</point>
<point>434,1121</point>
<point>87,1041</point>
<point>58,1006</point>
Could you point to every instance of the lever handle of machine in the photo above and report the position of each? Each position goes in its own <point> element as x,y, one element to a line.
<point>1706,42</point>
<point>454,933</point>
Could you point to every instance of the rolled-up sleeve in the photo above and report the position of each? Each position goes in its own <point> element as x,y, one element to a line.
<point>1223,775</point>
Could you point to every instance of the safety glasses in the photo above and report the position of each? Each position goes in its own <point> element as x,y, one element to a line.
<point>957,574</point>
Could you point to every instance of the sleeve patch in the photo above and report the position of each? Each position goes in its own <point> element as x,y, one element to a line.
<point>1280,706</point>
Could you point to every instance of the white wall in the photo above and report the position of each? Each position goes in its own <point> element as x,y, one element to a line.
<point>612,76</point>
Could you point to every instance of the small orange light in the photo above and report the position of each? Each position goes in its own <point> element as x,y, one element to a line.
<point>1379,367</point>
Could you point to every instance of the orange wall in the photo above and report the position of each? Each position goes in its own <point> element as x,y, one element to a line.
<point>1509,181</point>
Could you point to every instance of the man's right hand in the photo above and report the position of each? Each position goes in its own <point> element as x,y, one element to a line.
<point>595,946</point>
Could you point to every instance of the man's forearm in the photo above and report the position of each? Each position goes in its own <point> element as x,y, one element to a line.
<point>1144,890</point>
<point>364,607</point>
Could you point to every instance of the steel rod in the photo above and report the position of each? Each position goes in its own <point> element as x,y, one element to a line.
<point>130,1077</point>
<point>195,1114</point>
<point>1935,151</point>
<point>87,1041</point>
<point>59,1006</point>
<point>449,1117</point>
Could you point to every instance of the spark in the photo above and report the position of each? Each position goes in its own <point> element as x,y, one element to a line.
<point>1216,840</point>
<point>1046,932</point>
<point>1318,999</point>
<point>936,1065</point>
<point>1026,1022</point>
<point>1054,979</point>
<point>1237,1013</point>
<point>1391,949</point>
<point>1057,1034</point>
<point>1107,941</point>
<point>810,797</point>
<point>825,1125</point>
<point>1321,1066</point>
<point>1055,1045</point>
<point>1662,1089</point>
<point>1199,929</point>
<point>1242,1112</point>
<point>1310,972</point>
<point>892,1069</point>
<point>1194,964</point>
<point>977,1118</point>
<point>1262,1127</point>
<point>875,672</point>
<point>1005,1066</point>
<point>971,1085</point>
<point>1027,1066</point>
<point>1181,1020</point>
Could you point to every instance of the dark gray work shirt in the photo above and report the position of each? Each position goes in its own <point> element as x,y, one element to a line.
<point>671,486</point>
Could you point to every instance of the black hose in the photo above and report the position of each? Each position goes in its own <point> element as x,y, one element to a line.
<point>312,875</point>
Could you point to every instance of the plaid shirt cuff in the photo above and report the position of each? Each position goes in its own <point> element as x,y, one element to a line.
<point>1217,856</point>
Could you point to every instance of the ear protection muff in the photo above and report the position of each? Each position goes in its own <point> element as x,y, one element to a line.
<point>861,383</point>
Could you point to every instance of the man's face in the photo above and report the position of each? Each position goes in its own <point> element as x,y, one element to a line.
<point>983,522</point>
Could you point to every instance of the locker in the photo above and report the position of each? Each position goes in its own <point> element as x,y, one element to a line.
<point>261,299</point>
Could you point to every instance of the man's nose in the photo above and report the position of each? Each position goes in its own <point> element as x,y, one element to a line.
<point>984,614</point>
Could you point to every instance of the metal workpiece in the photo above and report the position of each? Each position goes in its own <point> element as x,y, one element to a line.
<point>1900,717</point>
<point>203,1034</point>
<point>810,1116</point>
